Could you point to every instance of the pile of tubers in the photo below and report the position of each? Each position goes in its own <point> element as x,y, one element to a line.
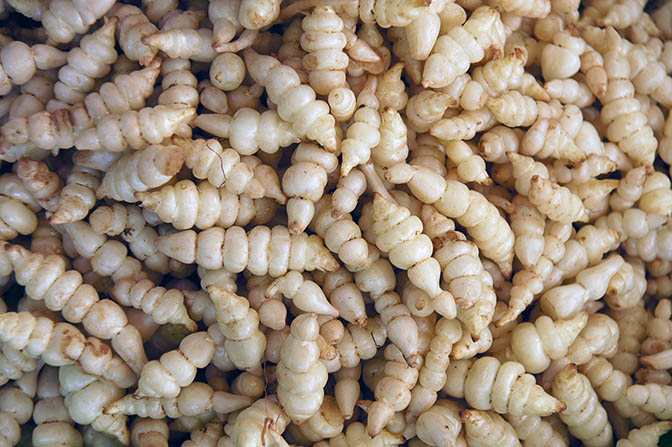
<point>336,223</point>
